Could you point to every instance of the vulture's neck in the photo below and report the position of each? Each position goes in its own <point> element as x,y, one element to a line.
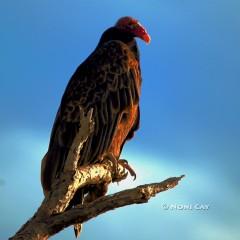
<point>114,33</point>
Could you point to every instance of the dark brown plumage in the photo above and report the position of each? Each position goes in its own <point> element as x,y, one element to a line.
<point>108,81</point>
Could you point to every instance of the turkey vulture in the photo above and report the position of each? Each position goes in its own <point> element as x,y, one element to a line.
<point>109,82</point>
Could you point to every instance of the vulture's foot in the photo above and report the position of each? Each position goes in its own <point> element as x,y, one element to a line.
<point>117,177</point>
<point>124,163</point>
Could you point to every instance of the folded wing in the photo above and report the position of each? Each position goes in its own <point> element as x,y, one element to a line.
<point>109,82</point>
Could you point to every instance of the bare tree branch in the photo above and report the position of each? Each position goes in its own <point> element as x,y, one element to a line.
<point>138,195</point>
<point>43,229</point>
<point>52,216</point>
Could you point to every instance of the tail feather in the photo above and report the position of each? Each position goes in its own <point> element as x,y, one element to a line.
<point>78,229</point>
<point>77,201</point>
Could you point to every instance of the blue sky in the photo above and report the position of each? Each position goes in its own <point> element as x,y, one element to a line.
<point>190,110</point>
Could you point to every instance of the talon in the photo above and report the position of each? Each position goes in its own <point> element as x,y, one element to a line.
<point>124,163</point>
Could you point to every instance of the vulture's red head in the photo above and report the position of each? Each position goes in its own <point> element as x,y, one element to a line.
<point>133,27</point>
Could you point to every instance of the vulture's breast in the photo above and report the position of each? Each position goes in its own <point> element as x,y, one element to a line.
<point>125,124</point>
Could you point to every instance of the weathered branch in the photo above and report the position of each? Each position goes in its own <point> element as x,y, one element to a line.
<point>52,216</point>
<point>43,229</point>
<point>140,194</point>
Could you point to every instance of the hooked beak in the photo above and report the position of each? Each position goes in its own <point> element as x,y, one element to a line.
<point>146,38</point>
<point>141,32</point>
